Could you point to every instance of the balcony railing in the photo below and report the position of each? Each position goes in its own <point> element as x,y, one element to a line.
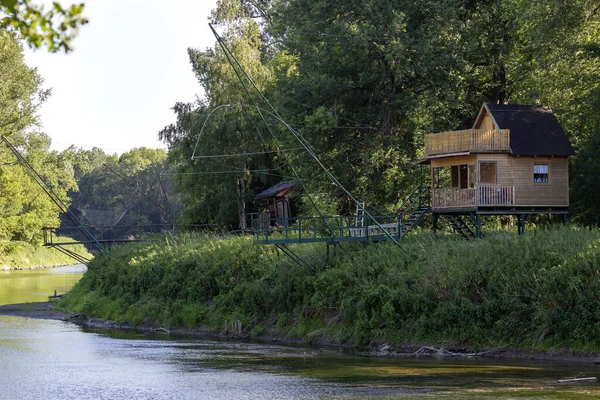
<point>472,140</point>
<point>495,195</point>
<point>482,196</point>
<point>453,198</point>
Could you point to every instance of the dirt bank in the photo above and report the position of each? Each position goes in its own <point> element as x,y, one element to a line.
<point>43,310</point>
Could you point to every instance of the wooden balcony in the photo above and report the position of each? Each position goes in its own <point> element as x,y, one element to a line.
<point>482,196</point>
<point>469,140</point>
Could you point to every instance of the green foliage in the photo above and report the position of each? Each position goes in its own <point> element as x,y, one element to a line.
<point>585,182</point>
<point>539,291</point>
<point>54,27</point>
<point>134,190</point>
<point>21,93</point>
<point>17,254</point>
<point>364,81</point>
<point>221,188</point>
<point>25,207</point>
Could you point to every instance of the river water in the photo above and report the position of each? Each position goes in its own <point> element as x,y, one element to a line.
<point>44,359</point>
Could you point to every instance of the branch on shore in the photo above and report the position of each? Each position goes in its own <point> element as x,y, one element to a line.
<point>441,352</point>
<point>431,351</point>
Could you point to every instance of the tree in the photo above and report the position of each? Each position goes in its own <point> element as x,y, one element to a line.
<point>54,28</point>
<point>25,207</point>
<point>370,78</point>
<point>220,188</point>
<point>21,93</point>
<point>363,81</point>
<point>122,196</point>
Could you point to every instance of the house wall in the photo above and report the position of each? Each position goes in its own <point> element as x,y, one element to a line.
<point>504,167</point>
<point>448,161</point>
<point>518,172</point>
<point>484,121</point>
<point>553,193</point>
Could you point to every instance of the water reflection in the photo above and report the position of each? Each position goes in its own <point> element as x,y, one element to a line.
<point>36,285</point>
<point>44,359</point>
<point>54,359</point>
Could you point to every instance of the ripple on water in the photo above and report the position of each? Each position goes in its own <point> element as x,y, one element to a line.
<point>42,359</point>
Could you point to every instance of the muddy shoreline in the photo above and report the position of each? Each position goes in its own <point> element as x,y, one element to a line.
<point>46,310</point>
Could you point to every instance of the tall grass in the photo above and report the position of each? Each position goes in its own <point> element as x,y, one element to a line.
<point>16,255</point>
<point>540,290</point>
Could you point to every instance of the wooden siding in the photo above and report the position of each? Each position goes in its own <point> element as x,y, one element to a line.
<point>514,183</point>
<point>449,161</point>
<point>473,140</point>
<point>504,167</point>
<point>553,193</point>
<point>486,122</point>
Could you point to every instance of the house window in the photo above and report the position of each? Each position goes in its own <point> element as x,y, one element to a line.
<point>487,172</point>
<point>540,173</point>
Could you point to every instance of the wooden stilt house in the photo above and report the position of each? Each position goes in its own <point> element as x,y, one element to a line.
<point>513,161</point>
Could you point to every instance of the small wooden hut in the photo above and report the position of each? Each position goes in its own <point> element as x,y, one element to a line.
<point>279,203</point>
<point>513,161</point>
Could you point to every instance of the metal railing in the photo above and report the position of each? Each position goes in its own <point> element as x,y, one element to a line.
<point>473,140</point>
<point>316,229</point>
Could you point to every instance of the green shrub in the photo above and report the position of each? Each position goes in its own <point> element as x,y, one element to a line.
<point>540,290</point>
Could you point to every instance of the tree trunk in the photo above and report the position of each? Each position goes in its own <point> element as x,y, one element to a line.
<point>242,202</point>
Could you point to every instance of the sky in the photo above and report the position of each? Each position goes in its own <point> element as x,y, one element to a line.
<point>128,68</point>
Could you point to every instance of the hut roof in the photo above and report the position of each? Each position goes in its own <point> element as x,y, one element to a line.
<point>534,130</point>
<point>278,190</point>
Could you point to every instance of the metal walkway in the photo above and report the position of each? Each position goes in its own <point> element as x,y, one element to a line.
<point>337,229</point>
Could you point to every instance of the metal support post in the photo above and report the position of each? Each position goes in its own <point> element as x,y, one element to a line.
<point>434,222</point>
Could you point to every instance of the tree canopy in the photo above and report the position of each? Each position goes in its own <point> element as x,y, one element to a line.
<point>54,27</point>
<point>119,196</point>
<point>25,208</point>
<point>363,82</point>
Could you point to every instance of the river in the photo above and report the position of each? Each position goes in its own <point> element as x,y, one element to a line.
<point>45,359</point>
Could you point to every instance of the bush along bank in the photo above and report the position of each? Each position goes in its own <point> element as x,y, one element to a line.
<point>540,291</point>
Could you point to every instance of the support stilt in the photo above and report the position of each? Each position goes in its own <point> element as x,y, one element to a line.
<point>334,244</point>
<point>434,222</point>
<point>521,223</point>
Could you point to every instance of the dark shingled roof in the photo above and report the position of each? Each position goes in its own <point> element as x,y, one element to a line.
<point>534,130</point>
<point>273,190</point>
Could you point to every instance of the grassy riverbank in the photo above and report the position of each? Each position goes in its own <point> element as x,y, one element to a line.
<point>22,255</point>
<point>540,291</point>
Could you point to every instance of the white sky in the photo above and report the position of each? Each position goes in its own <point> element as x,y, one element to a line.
<point>128,68</point>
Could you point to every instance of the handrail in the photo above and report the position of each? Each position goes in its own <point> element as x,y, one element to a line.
<point>481,196</point>
<point>472,140</point>
<point>337,227</point>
